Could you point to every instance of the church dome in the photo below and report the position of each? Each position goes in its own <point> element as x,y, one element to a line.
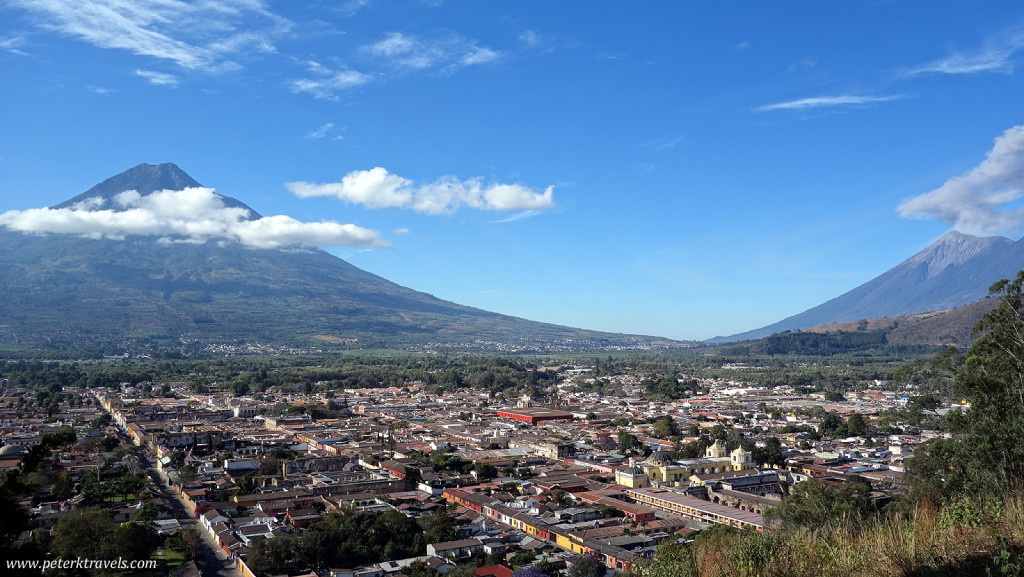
<point>660,457</point>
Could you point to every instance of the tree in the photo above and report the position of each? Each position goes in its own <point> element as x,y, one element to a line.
<point>831,425</point>
<point>546,567</point>
<point>247,484</point>
<point>856,426</point>
<point>815,504</point>
<point>985,456</point>
<point>240,388</point>
<point>670,560</point>
<point>63,485</point>
<point>177,459</point>
<point>82,533</point>
<point>187,474</point>
<point>14,518</point>
<point>770,454</point>
<point>590,565</point>
<point>666,427</point>
<point>485,471</point>
<point>523,559</point>
<point>627,441</point>
<point>134,540</point>
<point>437,527</point>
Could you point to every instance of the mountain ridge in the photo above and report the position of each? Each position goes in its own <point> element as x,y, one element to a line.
<point>955,270</point>
<point>146,179</point>
<point>138,294</point>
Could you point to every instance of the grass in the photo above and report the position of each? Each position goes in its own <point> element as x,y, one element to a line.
<point>170,557</point>
<point>120,499</point>
<point>959,539</point>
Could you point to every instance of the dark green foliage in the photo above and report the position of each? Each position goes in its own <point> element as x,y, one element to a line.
<point>485,471</point>
<point>627,441</point>
<point>63,437</point>
<point>340,541</point>
<point>101,421</point>
<point>546,567</point>
<point>609,511</point>
<point>666,427</point>
<point>670,386</point>
<point>815,504</point>
<point>770,454</point>
<point>589,565</point>
<point>437,527</point>
<point>247,484</point>
<point>91,534</point>
<point>13,517</point>
<point>671,560</point>
<point>856,426</point>
<point>827,344</point>
<point>134,540</point>
<point>523,558</point>
<point>832,426</point>
<point>985,456</point>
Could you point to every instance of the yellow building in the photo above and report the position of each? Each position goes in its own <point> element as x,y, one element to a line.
<point>663,471</point>
<point>742,459</point>
<point>632,476</point>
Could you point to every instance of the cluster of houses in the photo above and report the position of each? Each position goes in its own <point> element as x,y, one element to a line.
<point>539,476</point>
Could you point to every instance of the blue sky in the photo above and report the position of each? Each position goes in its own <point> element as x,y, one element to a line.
<point>677,169</point>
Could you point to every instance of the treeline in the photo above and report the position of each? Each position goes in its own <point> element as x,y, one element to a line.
<point>670,374</point>
<point>826,344</point>
<point>299,374</point>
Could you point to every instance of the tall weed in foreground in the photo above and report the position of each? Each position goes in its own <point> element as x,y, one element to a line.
<point>969,538</point>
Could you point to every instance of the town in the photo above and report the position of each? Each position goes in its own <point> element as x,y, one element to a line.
<point>558,476</point>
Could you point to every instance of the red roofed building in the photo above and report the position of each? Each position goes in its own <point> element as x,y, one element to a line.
<point>493,571</point>
<point>534,415</point>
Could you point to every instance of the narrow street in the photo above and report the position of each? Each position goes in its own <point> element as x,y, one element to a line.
<point>216,561</point>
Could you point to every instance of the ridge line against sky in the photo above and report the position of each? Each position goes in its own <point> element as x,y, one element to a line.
<point>672,170</point>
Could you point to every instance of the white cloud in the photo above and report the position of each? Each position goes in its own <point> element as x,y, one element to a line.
<point>191,215</point>
<point>12,43</point>
<point>664,143</point>
<point>158,78</point>
<point>402,230</point>
<point>392,45</point>
<point>976,202</point>
<point>519,216</point>
<point>995,56</point>
<point>447,54</point>
<point>327,83</point>
<point>478,55</point>
<point>829,101</point>
<point>530,38</point>
<point>322,131</point>
<point>197,35</point>
<point>377,188</point>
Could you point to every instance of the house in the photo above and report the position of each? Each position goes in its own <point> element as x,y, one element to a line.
<point>493,571</point>
<point>166,526</point>
<point>455,550</point>
<point>212,517</point>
